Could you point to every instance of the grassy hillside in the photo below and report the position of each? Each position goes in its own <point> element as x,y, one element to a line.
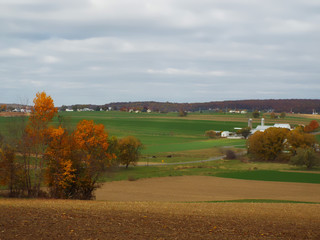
<point>167,132</point>
<point>161,132</point>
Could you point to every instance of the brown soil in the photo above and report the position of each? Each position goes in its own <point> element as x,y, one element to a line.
<point>13,114</point>
<point>58,219</point>
<point>203,188</point>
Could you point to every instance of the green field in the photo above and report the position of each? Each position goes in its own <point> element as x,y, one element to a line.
<point>160,132</point>
<point>163,133</point>
<point>222,168</point>
<point>183,139</point>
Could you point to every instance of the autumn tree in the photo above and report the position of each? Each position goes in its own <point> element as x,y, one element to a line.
<point>37,130</point>
<point>211,134</point>
<point>113,150</point>
<point>305,156</point>
<point>182,113</point>
<point>273,115</point>
<point>256,114</point>
<point>3,108</point>
<point>245,132</point>
<point>91,142</point>
<point>10,171</point>
<point>129,150</point>
<point>282,115</point>
<point>313,125</point>
<point>268,145</point>
<point>299,139</point>
<point>77,160</point>
<point>60,172</point>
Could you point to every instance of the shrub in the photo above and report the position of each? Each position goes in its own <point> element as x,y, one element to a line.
<point>283,115</point>
<point>211,134</point>
<point>245,132</point>
<point>305,156</point>
<point>132,178</point>
<point>256,114</point>
<point>182,113</point>
<point>230,154</point>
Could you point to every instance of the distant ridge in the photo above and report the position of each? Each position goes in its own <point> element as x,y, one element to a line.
<point>277,105</point>
<point>308,106</point>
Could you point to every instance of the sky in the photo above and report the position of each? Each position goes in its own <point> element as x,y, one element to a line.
<point>102,51</point>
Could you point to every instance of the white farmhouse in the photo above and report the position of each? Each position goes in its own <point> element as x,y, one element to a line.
<point>225,134</point>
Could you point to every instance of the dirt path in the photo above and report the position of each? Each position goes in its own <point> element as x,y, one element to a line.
<point>202,188</point>
<point>57,219</point>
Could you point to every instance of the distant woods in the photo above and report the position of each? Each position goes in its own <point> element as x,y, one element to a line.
<point>276,105</point>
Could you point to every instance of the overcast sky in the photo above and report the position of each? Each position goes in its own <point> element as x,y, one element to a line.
<point>101,51</point>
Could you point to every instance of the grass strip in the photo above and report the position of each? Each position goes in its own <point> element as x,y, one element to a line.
<point>269,175</point>
<point>260,201</point>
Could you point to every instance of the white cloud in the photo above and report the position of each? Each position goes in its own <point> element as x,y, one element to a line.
<point>16,52</point>
<point>291,26</point>
<point>174,71</point>
<point>50,59</point>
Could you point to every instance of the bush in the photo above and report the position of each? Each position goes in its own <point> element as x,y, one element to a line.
<point>256,114</point>
<point>230,155</point>
<point>211,134</point>
<point>305,156</point>
<point>132,178</point>
<point>273,115</point>
<point>245,132</point>
<point>182,113</point>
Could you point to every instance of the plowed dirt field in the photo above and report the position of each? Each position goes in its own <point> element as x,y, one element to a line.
<point>142,210</point>
<point>62,219</point>
<point>203,188</point>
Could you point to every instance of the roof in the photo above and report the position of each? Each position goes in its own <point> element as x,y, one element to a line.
<point>282,125</point>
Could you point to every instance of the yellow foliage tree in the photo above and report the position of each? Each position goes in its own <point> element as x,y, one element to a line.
<point>129,150</point>
<point>299,139</point>
<point>268,145</point>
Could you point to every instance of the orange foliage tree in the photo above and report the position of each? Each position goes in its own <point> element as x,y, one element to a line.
<point>311,126</point>
<point>3,107</point>
<point>314,124</point>
<point>60,173</point>
<point>37,129</point>
<point>77,160</point>
<point>92,156</point>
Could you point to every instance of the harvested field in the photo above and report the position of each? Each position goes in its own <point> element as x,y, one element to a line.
<point>58,219</point>
<point>203,188</point>
<point>13,114</point>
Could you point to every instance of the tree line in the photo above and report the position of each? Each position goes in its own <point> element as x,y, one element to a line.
<point>69,163</point>
<point>277,105</point>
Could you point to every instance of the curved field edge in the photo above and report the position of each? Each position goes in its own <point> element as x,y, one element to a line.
<point>67,219</point>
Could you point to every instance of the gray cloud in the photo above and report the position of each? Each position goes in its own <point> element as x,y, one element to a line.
<point>96,51</point>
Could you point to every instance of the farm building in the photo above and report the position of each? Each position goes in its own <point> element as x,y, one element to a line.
<point>225,134</point>
<point>262,127</point>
